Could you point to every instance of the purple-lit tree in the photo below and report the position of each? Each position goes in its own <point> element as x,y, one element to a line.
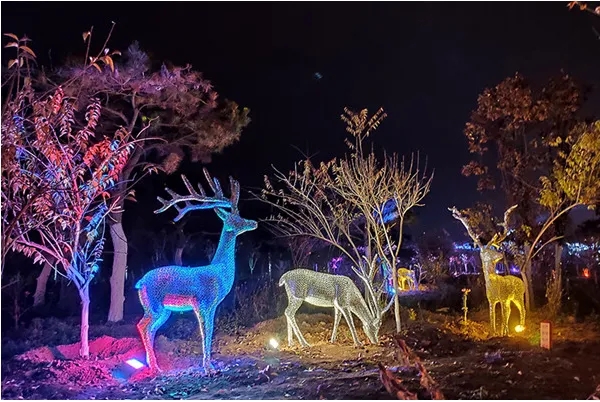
<point>186,117</point>
<point>56,175</point>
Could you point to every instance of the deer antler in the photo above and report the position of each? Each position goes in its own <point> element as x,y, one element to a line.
<point>457,215</point>
<point>218,201</point>
<point>499,237</point>
<point>235,194</point>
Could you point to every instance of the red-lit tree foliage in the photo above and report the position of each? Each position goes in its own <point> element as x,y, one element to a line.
<point>56,177</point>
<point>185,116</point>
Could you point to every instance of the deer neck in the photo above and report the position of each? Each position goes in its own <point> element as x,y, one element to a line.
<point>362,310</point>
<point>225,256</point>
<point>488,264</point>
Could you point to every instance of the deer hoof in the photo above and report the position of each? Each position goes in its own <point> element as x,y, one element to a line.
<point>209,368</point>
<point>155,369</point>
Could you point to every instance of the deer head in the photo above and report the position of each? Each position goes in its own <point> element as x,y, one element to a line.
<point>372,329</point>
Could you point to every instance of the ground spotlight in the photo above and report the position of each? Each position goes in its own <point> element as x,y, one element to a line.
<point>136,364</point>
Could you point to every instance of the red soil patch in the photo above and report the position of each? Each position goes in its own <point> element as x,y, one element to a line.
<point>108,354</point>
<point>105,347</point>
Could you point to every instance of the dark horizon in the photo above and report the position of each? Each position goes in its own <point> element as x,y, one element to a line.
<point>424,63</point>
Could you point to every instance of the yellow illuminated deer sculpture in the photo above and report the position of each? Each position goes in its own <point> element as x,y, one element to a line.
<point>498,288</point>
<point>406,279</point>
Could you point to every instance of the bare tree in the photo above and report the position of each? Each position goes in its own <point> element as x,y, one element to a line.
<point>301,248</point>
<point>356,204</point>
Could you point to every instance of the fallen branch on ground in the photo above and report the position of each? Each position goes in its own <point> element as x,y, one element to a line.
<point>394,385</point>
<point>596,395</point>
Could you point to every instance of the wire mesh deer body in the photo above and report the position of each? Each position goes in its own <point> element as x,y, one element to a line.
<point>198,289</point>
<point>327,290</point>
<point>498,288</point>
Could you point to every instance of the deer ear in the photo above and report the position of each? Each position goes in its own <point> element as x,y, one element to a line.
<point>221,214</point>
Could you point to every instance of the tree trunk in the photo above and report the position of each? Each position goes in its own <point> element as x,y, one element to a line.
<point>117,279</point>
<point>39,297</point>
<point>16,309</point>
<point>396,300</point>
<point>179,256</point>
<point>527,280</point>
<point>85,321</point>
<point>558,249</point>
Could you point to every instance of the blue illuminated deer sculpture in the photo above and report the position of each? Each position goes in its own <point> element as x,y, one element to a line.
<point>198,289</point>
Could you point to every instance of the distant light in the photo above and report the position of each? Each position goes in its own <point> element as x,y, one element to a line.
<point>519,328</point>
<point>273,343</point>
<point>586,273</point>
<point>136,364</point>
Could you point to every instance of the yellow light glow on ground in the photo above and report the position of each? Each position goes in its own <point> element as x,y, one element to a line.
<point>274,344</point>
<point>519,328</point>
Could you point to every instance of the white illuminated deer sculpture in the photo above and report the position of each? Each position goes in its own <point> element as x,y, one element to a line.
<point>337,291</point>
<point>198,289</point>
<point>498,288</point>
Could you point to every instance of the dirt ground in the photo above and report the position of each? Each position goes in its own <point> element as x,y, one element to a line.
<point>464,361</point>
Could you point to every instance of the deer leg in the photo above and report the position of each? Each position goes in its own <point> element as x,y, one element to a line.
<point>147,327</point>
<point>348,316</point>
<point>336,322</point>
<point>143,327</point>
<point>209,320</point>
<point>290,314</point>
<point>505,308</point>
<point>200,324</point>
<point>290,331</point>
<point>521,306</point>
<point>493,317</point>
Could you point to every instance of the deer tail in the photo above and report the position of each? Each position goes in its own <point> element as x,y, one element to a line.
<point>139,284</point>
<point>282,280</point>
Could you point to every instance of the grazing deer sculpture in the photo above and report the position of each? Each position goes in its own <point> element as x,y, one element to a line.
<point>327,290</point>
<point>198,289</point>
<point>498,288</point>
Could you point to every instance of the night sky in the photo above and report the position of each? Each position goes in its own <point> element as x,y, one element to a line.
<point>424,63</point>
